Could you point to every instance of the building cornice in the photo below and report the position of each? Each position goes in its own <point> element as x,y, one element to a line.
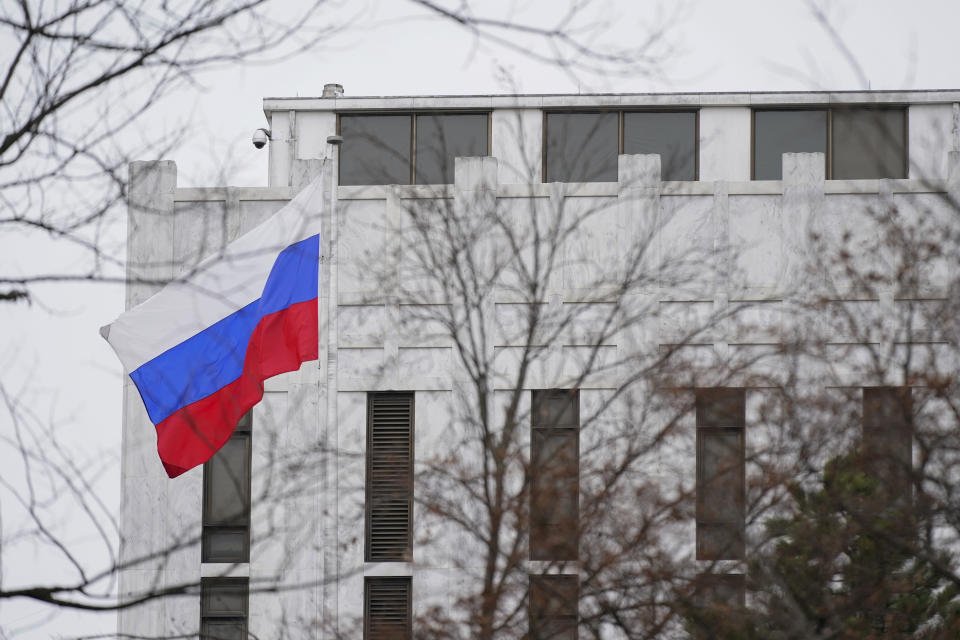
<point>611,100</point>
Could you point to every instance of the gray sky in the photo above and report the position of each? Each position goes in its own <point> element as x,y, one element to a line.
<point>51,355</point>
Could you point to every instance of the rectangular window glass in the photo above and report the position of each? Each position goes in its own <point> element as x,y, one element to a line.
<point>582,147</point>
<point>721,590</point>
<point>387,609</point>
<point>554,475</point>
<point>673,135</point>
<point>720,473</point>
<point>554,604</point>
<point>441,137</point>
<point>389,490</point>
<point>888,439</point>
<point>776,132</point>
<point>376,149</point>
<point>869,143</point>
<point>223,608</point>
<point>717,597</point>
<point>226,500</point>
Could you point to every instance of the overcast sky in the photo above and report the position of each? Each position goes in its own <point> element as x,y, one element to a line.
<point>51,353</point>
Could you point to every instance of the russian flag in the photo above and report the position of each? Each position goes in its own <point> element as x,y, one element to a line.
<point>199,350</point>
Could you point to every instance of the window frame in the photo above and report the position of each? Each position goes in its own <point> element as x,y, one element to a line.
<point>548,430</point>
<point>244,429</point>
<point>535,616</point>
<point>407,556</point>
<point>739,553</point>
<point>706,587</point>
<point>830,109</point>
<point>621,111</point>
<point>873,444</point>
<point>213,616</point>
<point>412,115</point>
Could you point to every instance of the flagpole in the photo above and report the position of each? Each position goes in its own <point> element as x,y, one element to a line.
<point>331,543</point>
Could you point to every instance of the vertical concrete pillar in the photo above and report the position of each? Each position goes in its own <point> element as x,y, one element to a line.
<point>149,228</point>
<point>394,214</point>
<point>722,284</point>
<point>517,143</point>
<point>302,172</point>
<point>327,423</point>
<point>143,519</point>
<point>953,173</point>
<point>638,227</point>
<point>638,209</point>
<point>725,143</point>
<point>475,191</point>
<point>281,148</point>
<point>801,216</point>
<point>953,196</point>
<point>803,200</point>
<point>954,129</point>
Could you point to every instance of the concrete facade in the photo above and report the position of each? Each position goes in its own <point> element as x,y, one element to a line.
<point>311,540</point>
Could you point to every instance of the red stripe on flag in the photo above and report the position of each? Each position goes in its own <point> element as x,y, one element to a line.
<point>281,342</point>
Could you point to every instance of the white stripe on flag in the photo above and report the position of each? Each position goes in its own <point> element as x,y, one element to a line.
<point>217,287</point>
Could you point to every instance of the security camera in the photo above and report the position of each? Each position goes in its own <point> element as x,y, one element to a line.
<point>260,137</point>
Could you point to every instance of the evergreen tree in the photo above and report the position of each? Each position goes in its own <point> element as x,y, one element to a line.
<point>845,564</point>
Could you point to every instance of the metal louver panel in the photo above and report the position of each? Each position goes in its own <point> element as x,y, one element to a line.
<point>387,609</point>
<point>389,495</point>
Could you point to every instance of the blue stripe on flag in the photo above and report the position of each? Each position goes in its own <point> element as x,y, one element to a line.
<point>213,358</point>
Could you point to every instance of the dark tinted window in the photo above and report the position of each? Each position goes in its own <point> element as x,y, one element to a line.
<point>720,407</point>
<point>223,608</point>
<point>554,607</point>
<point>225,544</point>
<point>869,143</point>
<point>888,440</point>
<point>376,149</point>
<point>443,137</point>
<point>226,500</point>
<point>224,630</point>
<point>720,589</point>
<point>720,473</point>
<point>672,135</point>
<point>582,147</point>
<point>717,599</point>
<point>779,132</point>
<point>555,475</point>
<point>228,482</point>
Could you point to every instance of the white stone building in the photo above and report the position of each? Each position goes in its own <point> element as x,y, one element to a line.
<point>724,195</point>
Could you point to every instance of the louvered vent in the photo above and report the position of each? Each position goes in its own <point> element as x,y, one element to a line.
<point>389,496</point>
<point>387,609</point>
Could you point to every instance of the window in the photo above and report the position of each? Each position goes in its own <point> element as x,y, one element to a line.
<point>857,142</point>
<point>786,131</point>
<point>554,475</point>
<point>721,590</point>
<point>553,607</point>
<point>223,608</point>
<point>720,473</point>
<point>869,143</point>
<point>387,608</point>
<point>717,599</point>
<point>673,135</point>
<point>441,137</point>
<point>888,440</point>
<point>408,148</point>
<point>226,500</point>
<point>389,493</point>
<point>583,146</point>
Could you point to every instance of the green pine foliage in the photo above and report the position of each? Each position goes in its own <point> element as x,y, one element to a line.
<point>847,563</point>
